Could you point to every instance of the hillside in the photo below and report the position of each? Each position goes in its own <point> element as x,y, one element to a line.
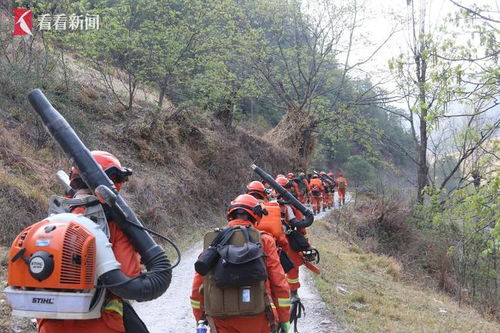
<point>374,293</point>
<point>185,170</point>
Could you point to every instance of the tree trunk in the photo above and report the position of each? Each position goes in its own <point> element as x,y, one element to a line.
<point>225,113</point>
<point>132,84</point>
<point>163,90</point>
<point>423,168</point>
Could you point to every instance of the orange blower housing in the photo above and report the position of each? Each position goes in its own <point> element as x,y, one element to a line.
<point>271,222</point>
<point>53,255</point>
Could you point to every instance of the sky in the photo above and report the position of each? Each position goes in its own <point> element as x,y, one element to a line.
<point>380,18</point>
<point>380,21</point>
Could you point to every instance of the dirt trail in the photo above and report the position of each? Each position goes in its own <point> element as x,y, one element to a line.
<point>171,313</point>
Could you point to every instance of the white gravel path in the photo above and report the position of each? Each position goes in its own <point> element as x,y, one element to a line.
<point>171,313</point>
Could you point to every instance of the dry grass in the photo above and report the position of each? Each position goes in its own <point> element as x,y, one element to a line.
<point>375,297</point>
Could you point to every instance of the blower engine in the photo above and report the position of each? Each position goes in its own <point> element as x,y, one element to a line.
<point>54,267</point>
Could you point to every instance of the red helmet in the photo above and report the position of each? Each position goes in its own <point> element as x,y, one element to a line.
<point>280,175</point>
<point>290,175</point>
<point>330,174</point>
<point>322,173</point>
<point>258,188</point>
<point>248,204</point>
<point>283,181</point>
<point>111,166</point>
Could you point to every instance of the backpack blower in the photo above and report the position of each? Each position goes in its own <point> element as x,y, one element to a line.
<point>309,254</point>
<point>61,266</point>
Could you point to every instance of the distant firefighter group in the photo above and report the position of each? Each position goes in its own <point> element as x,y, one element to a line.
<point>317,189</point>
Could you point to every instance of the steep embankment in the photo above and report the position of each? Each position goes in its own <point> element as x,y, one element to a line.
<point>186,169</point>
<point>370,293</point>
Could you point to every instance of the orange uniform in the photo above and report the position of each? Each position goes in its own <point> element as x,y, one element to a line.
<point>326,195</point>
<point>292,276</point>
<point>329,190</point>
<point>317,192</point>
<point>308,191</point>
<point>341,190</point>
<point>111,320</point>
<point>296,191</point>
<point>276,288</point>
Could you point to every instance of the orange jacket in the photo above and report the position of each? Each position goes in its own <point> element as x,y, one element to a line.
<point>342,179</point>
<point>276,287</point>
<point>316,182</point>
<point>110,321</point>
<point>296,191</point>
<point>308,187</point>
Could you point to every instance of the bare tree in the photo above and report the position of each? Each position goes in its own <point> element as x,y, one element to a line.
<point>436,76</point>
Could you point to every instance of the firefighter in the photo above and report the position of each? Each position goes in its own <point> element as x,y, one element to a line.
<point>333,184</point>
<point>342,188</point>
<point>291,215</point>
<point>271,223</point>
<point>112,316</point>
<point>317,192</point>
<point>307,193</point>
<point>258,190</point>
<point>245,211</point>
<point>326,190</point>
<point>295,189</point>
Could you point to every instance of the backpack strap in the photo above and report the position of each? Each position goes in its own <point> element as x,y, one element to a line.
<point>223,237</point>
<point>247,235</point>
<point>211,323</point>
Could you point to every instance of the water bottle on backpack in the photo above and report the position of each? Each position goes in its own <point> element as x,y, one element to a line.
<point>201,327</point>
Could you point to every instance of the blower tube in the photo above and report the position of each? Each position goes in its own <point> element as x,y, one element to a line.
<point>308,215</point>
<point>149,285</point>
<point>326,176</point>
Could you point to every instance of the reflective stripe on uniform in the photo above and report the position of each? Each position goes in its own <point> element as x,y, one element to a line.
<point>115,305</point>
<point>292,280</point>
<point>195,304</point>
<point>284,302</point>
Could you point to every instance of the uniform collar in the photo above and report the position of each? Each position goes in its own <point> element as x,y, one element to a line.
<point>245,223</point>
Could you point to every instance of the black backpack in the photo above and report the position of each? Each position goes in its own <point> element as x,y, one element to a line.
<point>240,265</point>
<point>236,285</point>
